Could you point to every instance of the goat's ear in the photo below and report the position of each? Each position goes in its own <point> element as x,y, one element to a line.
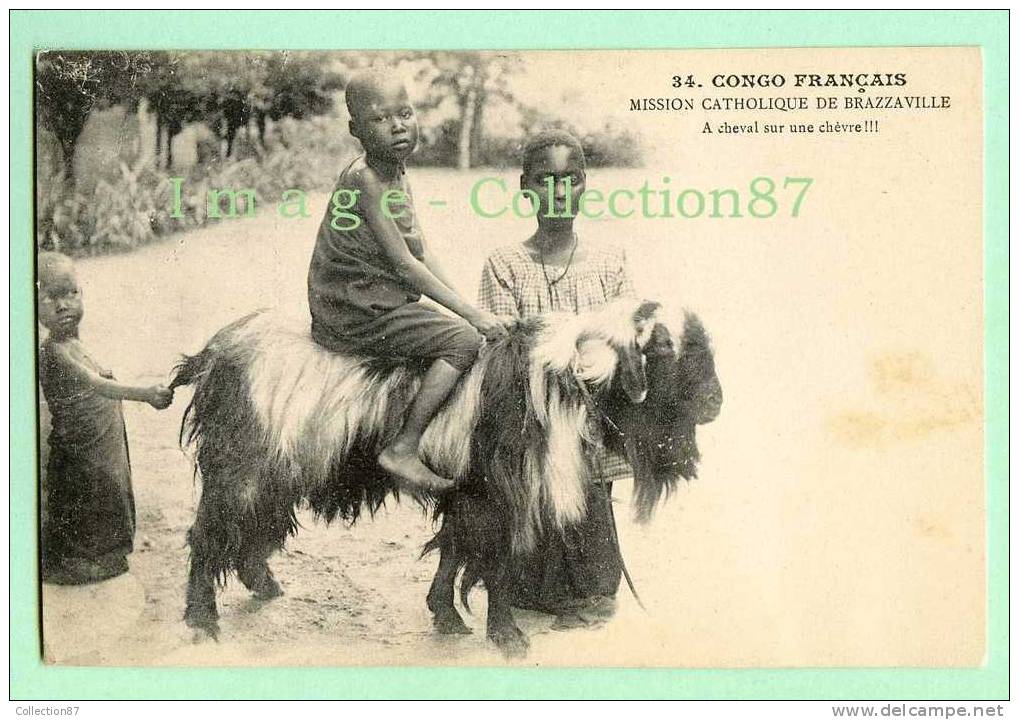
<point>661,344</point>
<point>694,334</point>
<point>631,373</point>
<point>644,320</point>
<point>596,361</point>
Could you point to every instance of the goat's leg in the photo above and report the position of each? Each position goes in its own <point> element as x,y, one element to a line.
<point>440,595</point>
<point>201,612</point>
<point>502,630</point>
<point>254,572</point>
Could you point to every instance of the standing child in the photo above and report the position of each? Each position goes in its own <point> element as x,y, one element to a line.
<point>89,517</point>
<point>555,269</point>
<point>371,266</point>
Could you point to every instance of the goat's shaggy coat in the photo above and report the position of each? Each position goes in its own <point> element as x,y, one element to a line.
<point>276,417</point>
<point>277,420</point>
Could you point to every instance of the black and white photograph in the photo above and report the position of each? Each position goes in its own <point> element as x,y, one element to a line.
<point>566,358</point>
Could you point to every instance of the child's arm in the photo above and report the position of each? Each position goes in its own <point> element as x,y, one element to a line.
<point>431,262</point>
<point>157,396</point>
<point>414,272</point>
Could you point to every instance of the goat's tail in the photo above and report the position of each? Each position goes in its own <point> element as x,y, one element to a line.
<point>189,369</point>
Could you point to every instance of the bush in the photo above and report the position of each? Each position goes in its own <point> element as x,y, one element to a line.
<point>123,212</point>
<point>437,145</point>
<point>133,207</point>
<point>612,145</point>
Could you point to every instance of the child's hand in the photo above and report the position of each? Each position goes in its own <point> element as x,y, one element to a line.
<point>490,325</point>
<point>160,397</point>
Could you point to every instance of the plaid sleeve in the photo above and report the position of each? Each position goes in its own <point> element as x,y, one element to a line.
<point>494,294</point>
<point>625,288</point>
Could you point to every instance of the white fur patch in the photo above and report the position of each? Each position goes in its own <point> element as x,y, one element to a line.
<point>674,320</point>
<point>583,347</point>
<point>595,361</point>
<point>564,480</point>
<point>314,404</point>
<point>525,539</point>
<point>612,324</point>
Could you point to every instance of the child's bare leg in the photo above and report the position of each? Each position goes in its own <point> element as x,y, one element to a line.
<point>401,456</point>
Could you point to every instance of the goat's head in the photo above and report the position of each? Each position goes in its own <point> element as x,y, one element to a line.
<point>654,382</point>
<point>658,435</point>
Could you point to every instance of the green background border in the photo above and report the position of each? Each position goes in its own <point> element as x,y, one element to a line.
<point>495,30</point>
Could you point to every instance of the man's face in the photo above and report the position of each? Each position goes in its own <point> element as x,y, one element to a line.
<point>385,122</point>
<point>560,168</point>
<point>60,302</point>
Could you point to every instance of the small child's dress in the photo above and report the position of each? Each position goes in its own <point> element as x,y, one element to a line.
<point>88,522</point>
<point>359,302</point>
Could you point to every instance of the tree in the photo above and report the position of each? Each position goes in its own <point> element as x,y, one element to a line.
<point>174,98</point>
<point>299,84</point>
<point>226,90</point>
<point>70,84</point>
<point>473,80</point>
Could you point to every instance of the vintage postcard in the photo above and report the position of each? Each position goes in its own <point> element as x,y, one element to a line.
<point>665,358</point>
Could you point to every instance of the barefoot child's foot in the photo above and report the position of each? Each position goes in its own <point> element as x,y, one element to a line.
<point>409,468</point>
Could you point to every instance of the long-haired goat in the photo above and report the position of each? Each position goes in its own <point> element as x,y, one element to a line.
<point>277,421</point>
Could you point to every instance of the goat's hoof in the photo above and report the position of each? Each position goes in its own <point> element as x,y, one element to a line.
<point>449,622</point>
<point>268,594</point>
<point>570,621</point>
<point>206,633</point>
<point>260,582</point>
<point>203,621</point>
<point>204,630</point>
<point>510,640</point>
<point>268,590</point>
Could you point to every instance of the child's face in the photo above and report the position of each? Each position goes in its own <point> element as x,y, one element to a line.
<point>60,302</point>
<point>555,164</point>
<point>385,122</point>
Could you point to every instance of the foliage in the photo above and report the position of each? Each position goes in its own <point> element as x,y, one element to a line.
<point>612,145</point>
<point>471,81</point>
<point>123,212</point>
<point>224,90</point>
<point>133,207</point>
<point>272,123</point>
<point>70,84</point>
